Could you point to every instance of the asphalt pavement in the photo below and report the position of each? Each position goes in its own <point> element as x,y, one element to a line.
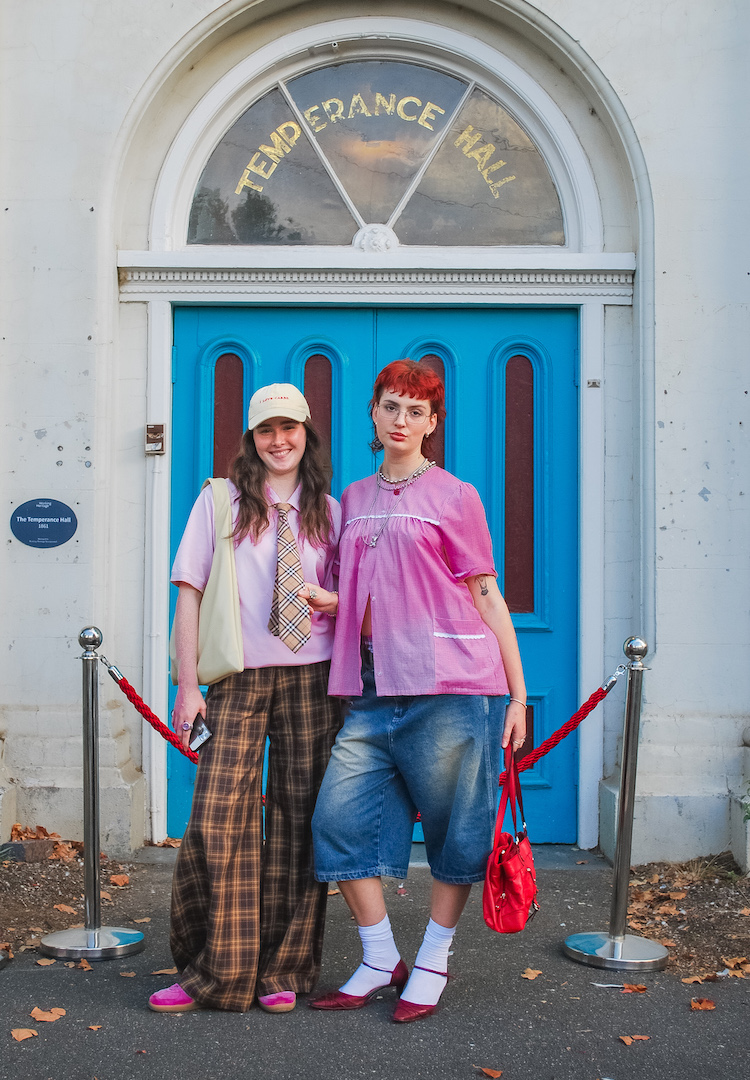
<point>563,1023</point>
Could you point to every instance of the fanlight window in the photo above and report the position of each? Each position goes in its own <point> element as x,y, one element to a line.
<point>389,150</point>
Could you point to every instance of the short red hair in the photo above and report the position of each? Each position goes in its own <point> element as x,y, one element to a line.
<point>414,380</point>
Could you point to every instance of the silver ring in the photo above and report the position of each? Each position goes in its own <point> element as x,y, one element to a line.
<point>187,727</point>
<point>313,594</point>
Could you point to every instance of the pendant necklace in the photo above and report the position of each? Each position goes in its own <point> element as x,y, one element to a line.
<point>399,492</point>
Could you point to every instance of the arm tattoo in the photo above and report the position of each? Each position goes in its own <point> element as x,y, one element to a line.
<point>483,585</point>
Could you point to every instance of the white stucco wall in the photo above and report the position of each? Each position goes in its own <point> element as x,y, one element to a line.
<point>94,95</point>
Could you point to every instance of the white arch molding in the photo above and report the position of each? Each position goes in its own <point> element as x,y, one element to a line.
<point>579,273</point>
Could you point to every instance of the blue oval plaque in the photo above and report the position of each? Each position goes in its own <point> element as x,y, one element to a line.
<point>43,523</point>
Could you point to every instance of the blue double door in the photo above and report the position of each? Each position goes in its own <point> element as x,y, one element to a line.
<point>511,431</point>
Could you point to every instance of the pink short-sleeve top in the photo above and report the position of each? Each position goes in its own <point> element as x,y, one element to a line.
<point>428,637</point>
<point>256,575</point>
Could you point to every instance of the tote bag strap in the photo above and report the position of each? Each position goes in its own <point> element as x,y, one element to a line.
<point>222,507</point>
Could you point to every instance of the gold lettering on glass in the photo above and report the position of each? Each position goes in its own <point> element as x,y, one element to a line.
<point>400,108</point>
<point>389,104</point>
<point>466,142</point>
<point>428,113</point>
<point>336,113</point>
<point>358,107</point>
<point>283,139</point>
<point>317,123</point>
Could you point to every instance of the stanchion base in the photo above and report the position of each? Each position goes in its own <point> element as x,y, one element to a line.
<point>103,944</point>
<point>4,959</point>
<point>601,950</point>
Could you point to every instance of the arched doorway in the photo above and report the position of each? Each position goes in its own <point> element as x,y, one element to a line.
<point>253,270</point>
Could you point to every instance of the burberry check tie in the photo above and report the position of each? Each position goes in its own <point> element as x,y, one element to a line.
<point>290,615</point>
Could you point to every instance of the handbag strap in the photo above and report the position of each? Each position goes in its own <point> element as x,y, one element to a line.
<point>511,794</point>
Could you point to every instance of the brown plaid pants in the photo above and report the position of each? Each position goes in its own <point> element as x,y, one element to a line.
<point>247,913</point>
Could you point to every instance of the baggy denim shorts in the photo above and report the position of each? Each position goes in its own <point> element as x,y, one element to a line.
<point>438,754</point>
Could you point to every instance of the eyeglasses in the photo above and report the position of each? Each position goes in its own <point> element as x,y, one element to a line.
<point>414,417</point>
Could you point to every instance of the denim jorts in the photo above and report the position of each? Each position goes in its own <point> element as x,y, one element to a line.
<point>395,755</point>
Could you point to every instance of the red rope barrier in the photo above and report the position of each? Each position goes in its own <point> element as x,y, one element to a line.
<point>137,701</point>
<point>549,744</point>
<point>526,763</point>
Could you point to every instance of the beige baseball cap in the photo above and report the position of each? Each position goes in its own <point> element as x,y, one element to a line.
<point>278,399</point>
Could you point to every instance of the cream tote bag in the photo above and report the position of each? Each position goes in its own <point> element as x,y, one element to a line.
<point>220,650</point>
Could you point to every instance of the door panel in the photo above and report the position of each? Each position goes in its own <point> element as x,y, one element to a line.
<point>495,360</point>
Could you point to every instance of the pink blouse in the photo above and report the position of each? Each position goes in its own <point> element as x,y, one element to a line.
<point>256,574</point>
<point>428,638</point>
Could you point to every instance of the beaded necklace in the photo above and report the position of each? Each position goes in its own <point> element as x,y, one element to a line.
<point>399,492</point>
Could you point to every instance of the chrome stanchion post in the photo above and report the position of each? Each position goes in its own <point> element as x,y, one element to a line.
<point>91,639</point>
<point>94,941</point>
<point>616,949</point>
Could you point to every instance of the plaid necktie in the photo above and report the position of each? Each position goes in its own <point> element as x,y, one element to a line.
<point>290,615</point>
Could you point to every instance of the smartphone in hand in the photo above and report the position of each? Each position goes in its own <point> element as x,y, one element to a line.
<point>199,734</point>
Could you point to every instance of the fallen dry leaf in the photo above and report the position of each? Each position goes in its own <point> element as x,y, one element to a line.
<point>84,964</point>
<point>634,988</point>
<point>494,1073</point>
<point>745,911</point>
<point>530,973</point>
<point>581,862</point>
<point>66,908</point>
<point>734,961</point>
<point>19,1034</point>
<point>128,974</point>
<point>120,880</point>
<point>704,1004</point>
<point>65,851</point>
<point>667,943</point>
<point>677,895</point>
<point>667,909</point>
<point>641,1038</point>
<point>95,1027</point>
<point>105,895</point>
<point>693,979</point>
<point>146,919</point>
<point>627,1039</point>
<point>165,971</point>
<point>46,962</point>
<point>170,841</point>
<point>70,964</point>
<point>334,892</point>
<point>49,1017</point>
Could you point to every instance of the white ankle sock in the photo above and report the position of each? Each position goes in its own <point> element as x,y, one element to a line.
<point>379,951</point>
<point>423,987</point>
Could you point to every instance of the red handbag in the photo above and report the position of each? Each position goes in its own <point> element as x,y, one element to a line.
<point>509,898</point>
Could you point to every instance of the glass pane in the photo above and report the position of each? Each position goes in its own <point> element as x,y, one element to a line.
<point>229,413</point>
<point>519,484</point>
<point>264,184</point>
<point>319,394</point>
<point>434,447</point>
<point>376,122</point>
<point>488,184</point>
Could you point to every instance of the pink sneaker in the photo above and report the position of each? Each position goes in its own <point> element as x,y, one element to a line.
<point>278,1003</point>
<point>172,999</point>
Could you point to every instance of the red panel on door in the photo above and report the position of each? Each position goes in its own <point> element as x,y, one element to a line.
<point>229,419</point>
<point>519,484</point>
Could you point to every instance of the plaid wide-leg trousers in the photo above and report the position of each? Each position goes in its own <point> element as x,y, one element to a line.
<point>247,914</point>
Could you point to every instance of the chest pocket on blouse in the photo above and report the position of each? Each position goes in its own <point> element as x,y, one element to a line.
<point>462,654</point>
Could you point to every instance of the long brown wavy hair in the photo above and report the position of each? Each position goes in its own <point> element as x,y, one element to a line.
<point>248,473</point>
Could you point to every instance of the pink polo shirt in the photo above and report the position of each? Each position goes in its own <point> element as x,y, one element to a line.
<point>256,574</point>
<point>428,637</point>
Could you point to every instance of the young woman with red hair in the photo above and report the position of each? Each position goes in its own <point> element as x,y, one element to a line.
<point>426,652</point>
